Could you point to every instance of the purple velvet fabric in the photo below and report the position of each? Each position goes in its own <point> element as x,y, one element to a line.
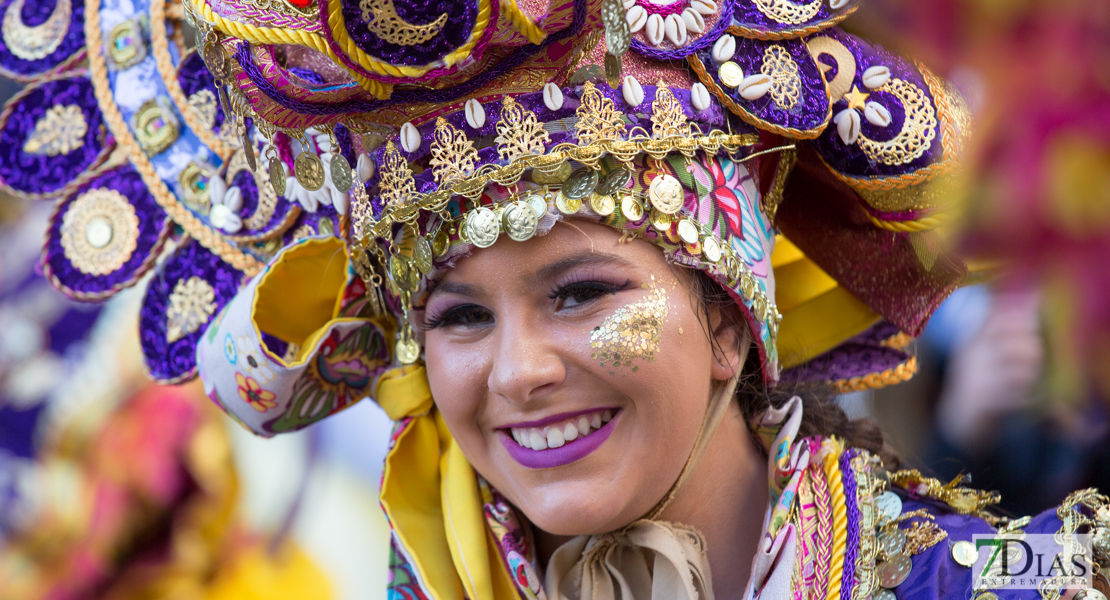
<point>851,160</point>
<point>859,356</point>
<point>461,17</point>
<point>154,227</point>
<point>407,96</point>
<point>193,75</point>
<point>171,363</point>
<point>312,220</point>
<point>42,174</point>
<point>249,188</point>
<point>746,14</point>
<point>35,12</point>
<point>813,102</point>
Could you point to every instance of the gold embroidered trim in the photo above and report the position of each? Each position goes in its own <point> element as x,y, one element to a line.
<point>598,118</point>
<point>203,105</point>
<point>786,84</point>
<point>519,132</point>
<point>60,131</point>
<point>100,231</point>
<point>35,43</point>
<point>667,117</point>
<point>383,21</point>
<point>192,304</point>
<point>397,185</point>
<point>918,128</point>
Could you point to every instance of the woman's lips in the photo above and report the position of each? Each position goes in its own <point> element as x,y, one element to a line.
<point>559,443</point>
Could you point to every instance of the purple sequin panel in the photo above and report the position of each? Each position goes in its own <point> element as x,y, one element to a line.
<point>308,224</point>
<point>859,356</point>
<point>174,362</point>
<point>804,103</point>
<point>747,14</point>
<point>36,12</point>
<point>851,160</point>
<point>41,173</point>
<point>448,35</point>
<point>193,76</point>
<point>154,227</point>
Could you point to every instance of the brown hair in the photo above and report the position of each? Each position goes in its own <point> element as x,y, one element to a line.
<point>821,415</point>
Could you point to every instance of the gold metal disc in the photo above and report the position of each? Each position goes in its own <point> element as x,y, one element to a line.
<point>661,220</point>
<point>277,176</point>
<point>401,272</point>
<point>665,193</point>
<point>216,59</point>
<point>552,177</point>
<point>613,182</point>
<point>422,254</point>
<point>567,206</point>
<point>248,150</point>
<point>538,204</point>
<point>310,171</point>
<point>688,231</point>
<point>482,227</point>
<point>895,570</point>
<point>519,221</point>
<point>581,184</point>
<point>711,249</point>
<point>730,74</point>
<point>964,552</point>
<point>407,351</point>
<point>603,205</point>
<point>341,174</point>
<point>441,241</point>
<point>632,209</point>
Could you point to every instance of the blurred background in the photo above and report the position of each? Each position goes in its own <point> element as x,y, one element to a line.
<point>111,487</point>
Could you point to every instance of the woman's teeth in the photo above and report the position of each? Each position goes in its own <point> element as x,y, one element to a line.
<point>557,434</point>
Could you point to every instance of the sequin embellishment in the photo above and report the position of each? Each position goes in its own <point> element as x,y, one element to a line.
<point>100,231</point>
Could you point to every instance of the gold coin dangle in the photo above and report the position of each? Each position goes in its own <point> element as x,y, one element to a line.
<point>310,171</point>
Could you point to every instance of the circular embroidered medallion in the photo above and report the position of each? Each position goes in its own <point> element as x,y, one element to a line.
<point>99,231</point>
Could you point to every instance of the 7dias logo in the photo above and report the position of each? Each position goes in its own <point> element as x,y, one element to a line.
<point>1028,561</point>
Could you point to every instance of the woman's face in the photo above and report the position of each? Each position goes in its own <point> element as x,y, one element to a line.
<point>573,372</point>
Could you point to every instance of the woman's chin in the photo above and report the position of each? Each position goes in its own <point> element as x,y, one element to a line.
<point>571,514</point>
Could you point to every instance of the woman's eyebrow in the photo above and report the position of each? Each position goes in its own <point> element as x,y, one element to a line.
<point>452,287</point>
<point>586,259</point>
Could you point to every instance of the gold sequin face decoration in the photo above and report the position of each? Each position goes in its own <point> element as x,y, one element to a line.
<point>100,231</point>
<point>632,332</point>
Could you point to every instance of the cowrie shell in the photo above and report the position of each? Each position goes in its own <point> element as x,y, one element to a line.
<point>216,189</point>
<point>699,97</point>
<point>552,96</point>
<point>628,4</point>
<point>876,114</point>
<point>655,29</point>
<point>847,125</point>
<point>836,4</point>
<point>675,28</point>
<point>637,17</point>
<point>704,7</point>
<point>364,167</point>
<point>724,49</point>
<point>876,77</point>
<point>233,199</point>
<point>410,137</point>
<point>694,21</point>
<point>475,114</point>
<point>754,87</point>
<point>633,91</point>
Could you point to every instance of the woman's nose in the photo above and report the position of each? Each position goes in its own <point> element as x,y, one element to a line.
<point>526,363</point>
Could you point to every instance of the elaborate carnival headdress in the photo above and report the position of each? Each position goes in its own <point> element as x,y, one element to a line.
<point>409,132</point>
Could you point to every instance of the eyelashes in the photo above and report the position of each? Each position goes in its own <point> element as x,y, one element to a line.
<point>567,298</point>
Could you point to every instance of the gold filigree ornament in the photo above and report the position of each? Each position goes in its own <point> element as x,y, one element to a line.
<point>785,11</point>
<point>519,132</point>
<point>786,84</point>
<point>203,104</point>
<point>60,131</point>
<point>100,231</point>
<point>35,43</point>
<point>192,304</point>
<point>125,44</point>
<point>667,117</point>
<point>383,21</point>
<point>598,118</point>
<point>155,126</point>
<point>918,127</point>
<point>397,185</point>
<point>453,155</point>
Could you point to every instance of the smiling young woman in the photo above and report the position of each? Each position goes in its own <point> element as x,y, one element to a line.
<point>603,263</point>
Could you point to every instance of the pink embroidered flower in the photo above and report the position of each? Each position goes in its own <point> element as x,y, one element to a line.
<point>253,394</point>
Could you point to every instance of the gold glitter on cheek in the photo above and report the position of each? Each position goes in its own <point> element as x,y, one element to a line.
<point>633,331</point>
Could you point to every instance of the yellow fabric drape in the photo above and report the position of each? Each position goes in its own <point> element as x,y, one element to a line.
<point>430,494</point>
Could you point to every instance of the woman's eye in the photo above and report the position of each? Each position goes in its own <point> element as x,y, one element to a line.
<point>466,315</point>
<point>577,294</point>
